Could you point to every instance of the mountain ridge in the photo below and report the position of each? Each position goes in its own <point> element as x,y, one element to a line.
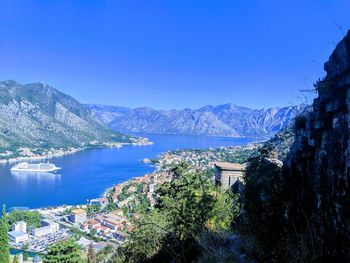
<point>227,120</point>
<point>37,115</point>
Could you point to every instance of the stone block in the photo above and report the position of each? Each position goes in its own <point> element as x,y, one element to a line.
<point>335,122</point>
<point>311,141</point>
<point>336,105</point>
<point>319,124</point>
<point>318,115</point>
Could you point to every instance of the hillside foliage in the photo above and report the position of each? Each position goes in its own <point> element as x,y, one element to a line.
<point>187,207</point>
<point>67,251</point>
<point>32,218</point>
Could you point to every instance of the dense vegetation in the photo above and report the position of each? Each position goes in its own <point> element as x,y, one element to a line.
<point>32,218</point>
<point>66,251</point>
<point>188,207</point>
<point>260,225</point>
<point>4,242</point>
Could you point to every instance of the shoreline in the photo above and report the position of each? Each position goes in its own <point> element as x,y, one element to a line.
<point>71,150</point>
<point>109,189</point>
<point>60,153</point>
<point>40,157</point>
<point>157,166</point>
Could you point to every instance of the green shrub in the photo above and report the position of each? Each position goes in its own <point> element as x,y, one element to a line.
<point>186,206</point>
<point>32,218</point>
<point>263,219</point>
<point>67,251</point>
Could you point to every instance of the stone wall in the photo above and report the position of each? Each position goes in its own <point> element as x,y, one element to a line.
<point>229,178</point>
<point>318,168</point>
<point>228,174</point>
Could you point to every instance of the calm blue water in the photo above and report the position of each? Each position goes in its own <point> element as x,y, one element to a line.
<point>88,173</point>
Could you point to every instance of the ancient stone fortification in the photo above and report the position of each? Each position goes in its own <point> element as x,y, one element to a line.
<point>228,174</point>
<point>318,168</point>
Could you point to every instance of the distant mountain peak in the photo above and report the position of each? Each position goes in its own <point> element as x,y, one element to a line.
<point>230,105</point>
<point>38,115</point>
<point>222,120</point>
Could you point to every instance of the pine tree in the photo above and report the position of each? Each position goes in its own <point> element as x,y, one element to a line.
<point>91,254</point>
<point>4,242</point>
<point>67,251</point>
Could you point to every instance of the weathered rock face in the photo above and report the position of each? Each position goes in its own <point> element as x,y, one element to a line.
<point>40,117</point>
<point>318,168</point>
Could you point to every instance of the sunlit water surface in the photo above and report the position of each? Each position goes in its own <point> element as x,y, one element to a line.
<point>88,173</point>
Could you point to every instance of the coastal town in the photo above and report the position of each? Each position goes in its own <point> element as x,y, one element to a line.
<point>106,221</point>
<point>101,230</point>
<point>27,153</point>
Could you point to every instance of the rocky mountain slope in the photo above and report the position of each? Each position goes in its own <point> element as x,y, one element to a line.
<point>37,115</point>
<point>279,145</point>
<point>223,120</point>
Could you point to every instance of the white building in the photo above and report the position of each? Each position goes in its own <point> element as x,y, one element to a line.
<point>53,225</point>
<point>78,216</point>
<point>48,227</point>
<point>151,188</point>
<point>18,236</point>
<point>20,226</point>
<point>41,231</point>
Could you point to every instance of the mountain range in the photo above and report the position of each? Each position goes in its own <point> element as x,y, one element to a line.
<point>37,115</point>
<point>228,120</point>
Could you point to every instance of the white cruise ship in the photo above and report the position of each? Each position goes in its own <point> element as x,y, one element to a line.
<point>38,167</point>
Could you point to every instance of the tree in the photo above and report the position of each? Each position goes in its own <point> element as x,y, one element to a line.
<point>147,239</point>
<point>3,214</point>
<point>24,248</point>
<point>186,201</point>
<point>32,218</point>
<point>93,232</point>
<point>264,204</point>
<point>91,256</point>
<point>4,242</point>
<point>25,255</point>
<point>225,209</point>
<point>67,251</point>
<point>103,254</point>
<point>186,206</point>
<point>15,259</point>
<point>110,207</point>
<point>93,210</point>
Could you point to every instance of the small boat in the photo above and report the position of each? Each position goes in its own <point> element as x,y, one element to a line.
<point>35,167</point>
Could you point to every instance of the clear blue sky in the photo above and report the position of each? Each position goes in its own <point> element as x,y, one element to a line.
<point>171,53</point>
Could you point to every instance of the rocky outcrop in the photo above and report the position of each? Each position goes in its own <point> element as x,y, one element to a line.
<point>318,168</point>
